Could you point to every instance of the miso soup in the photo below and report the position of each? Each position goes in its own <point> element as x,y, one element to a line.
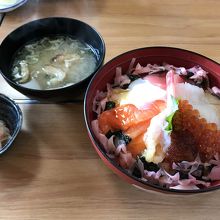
<point>53,62</point>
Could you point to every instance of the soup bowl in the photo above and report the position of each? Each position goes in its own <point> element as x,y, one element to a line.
<point>144,56</point>
<point>49,27</point>
<point>11,116</point>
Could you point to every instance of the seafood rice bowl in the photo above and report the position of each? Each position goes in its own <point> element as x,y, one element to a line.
<point>155,119</point>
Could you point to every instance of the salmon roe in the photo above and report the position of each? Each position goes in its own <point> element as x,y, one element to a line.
<point>192,135</point>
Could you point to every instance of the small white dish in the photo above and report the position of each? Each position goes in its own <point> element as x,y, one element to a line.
<point>9,5</point>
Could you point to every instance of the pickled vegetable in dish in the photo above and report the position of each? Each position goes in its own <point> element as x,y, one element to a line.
<point>161,123</point>
<point>4,133</point>
<point>53,63</point>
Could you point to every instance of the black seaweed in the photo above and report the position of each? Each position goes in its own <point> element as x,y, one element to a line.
<point>125,86</point>
<point>136,172</point>
<point>149,166</point>
<point>133,77</point>
<point>202,172</point>
<point>183,175</point>
<point>119,135</point>
<point>109,105</point>
<point>189,74</point>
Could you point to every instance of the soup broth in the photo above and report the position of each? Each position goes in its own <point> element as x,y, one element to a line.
<point>53,62</point>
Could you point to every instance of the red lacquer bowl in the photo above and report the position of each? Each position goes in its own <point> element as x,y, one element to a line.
<point>153,55</point>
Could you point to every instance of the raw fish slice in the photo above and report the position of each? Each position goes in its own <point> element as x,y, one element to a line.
<point>160,80</point>
<point>137,129</point>
<point>157,139</point>
<point>137,145</point>
<point>125,116</point>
